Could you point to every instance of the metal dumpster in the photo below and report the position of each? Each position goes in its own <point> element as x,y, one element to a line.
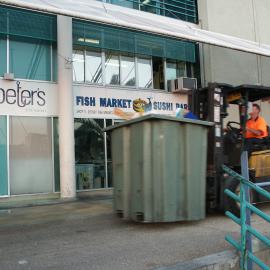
<point>159,168</point>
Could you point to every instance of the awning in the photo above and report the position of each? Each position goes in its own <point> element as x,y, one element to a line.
<point>133,19</point>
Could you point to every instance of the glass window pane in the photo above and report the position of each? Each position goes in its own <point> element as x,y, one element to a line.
<point>158,72</point>
<point>181,69</point>
<point>3,55</point>
<point>89,153</point>
<point>145,73</point>
<point>124,3</point>
<point>93,66</point>
<point>175,69</point>
<point>150,6</point>
<point>128,71</point>
<point>78,66</point>
<point>31,166</point>
<point>3,156</point>
<point>30,59</point>
<point>171,70</point>
<point>112,69</point>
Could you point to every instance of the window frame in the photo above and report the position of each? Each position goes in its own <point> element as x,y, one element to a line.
<point>121,73</point>
<point>53,67</point>
<point>151,63</point>
<point>136,58</point>
<point>102,68</point>
<point>74,52</point>
<point>119,68</point>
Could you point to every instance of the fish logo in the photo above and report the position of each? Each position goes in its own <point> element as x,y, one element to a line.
<point>141,106</point>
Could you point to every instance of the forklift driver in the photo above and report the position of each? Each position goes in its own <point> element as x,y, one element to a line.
<point>256,128</point>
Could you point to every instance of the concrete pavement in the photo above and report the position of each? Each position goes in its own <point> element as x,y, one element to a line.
<point>87,235</point>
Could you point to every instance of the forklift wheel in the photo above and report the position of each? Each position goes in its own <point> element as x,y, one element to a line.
<point>229,203</point>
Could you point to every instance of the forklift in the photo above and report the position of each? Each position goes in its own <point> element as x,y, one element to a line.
<point>226,141</point>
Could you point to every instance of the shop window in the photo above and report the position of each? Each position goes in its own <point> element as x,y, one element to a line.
<point>3,55</point>
<point>3,156</point>
<point>144,72</point>
<point>90,153</point>
<point>93,67</point>
<point>30,59</point>
<point>78,66</point>
<point>158,73</point>
<point>31,165</point>
<point>128,71</point>
<point>112,69</point>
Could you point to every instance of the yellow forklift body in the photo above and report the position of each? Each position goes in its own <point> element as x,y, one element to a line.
<point>260,162</point>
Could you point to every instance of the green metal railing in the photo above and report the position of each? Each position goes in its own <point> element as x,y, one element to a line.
<point>244,246</point>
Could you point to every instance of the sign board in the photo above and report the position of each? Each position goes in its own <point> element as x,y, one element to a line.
<point>33,98</point>
<point>28,98</point>
<point>95,102</point>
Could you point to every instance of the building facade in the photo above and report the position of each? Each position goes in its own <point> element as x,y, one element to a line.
<point>243,19</point>
<point>63,80</point>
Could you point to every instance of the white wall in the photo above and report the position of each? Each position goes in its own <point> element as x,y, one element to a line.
<point>247,19</point>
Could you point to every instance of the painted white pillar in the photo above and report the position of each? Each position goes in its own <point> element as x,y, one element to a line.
<point>65,104</point>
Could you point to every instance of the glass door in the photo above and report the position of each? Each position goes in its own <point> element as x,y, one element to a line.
<point>90,154</point>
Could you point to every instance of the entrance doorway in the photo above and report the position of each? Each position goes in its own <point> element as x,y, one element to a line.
<point>93,154</point>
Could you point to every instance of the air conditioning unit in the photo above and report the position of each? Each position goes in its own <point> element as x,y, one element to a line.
<point>182,85</point>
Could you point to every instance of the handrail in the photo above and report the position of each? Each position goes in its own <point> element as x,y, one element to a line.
<point>247,258</point>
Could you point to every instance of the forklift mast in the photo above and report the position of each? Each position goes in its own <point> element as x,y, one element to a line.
<point>210,105</point>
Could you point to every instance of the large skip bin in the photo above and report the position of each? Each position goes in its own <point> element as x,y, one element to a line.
<point>159,168</point>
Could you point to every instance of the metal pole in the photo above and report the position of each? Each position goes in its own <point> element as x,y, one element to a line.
<point>246,240</point>
<point>245,193</point>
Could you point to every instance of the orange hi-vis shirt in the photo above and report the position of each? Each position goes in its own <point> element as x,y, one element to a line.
<point>258,124</point>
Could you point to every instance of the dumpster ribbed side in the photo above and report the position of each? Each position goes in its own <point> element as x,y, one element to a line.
<point>159,171</point>
<point>195,171</point>
<point>121,170</point>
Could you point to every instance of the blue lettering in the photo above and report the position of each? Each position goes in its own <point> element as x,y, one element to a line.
<point>92,101</point>
<point>163,106</point>
<point>109,103</point>
<point>86,101</point>
<point>102,102</point>
<point>79,100</point>
<point>129,102</point>
<point>114,102</point>
<point>182,106</point>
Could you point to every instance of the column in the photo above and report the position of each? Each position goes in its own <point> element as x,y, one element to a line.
<point>65,104</point>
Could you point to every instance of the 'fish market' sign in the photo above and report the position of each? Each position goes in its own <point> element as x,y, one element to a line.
<point>92,102</point>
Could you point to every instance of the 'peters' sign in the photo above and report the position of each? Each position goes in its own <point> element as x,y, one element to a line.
<point>27,98</point>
